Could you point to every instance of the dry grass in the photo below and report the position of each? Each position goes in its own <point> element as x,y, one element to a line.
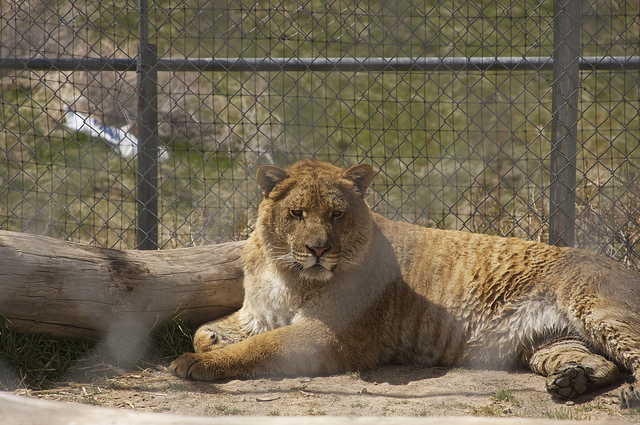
<point>38,360</point>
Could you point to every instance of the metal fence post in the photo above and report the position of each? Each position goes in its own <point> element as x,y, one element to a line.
<point>147,116</point>
<point>564,124</point>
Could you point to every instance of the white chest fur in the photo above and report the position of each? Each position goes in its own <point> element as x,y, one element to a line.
<point>268,305</point>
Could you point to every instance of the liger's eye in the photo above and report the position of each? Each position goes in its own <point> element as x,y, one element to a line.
<point>338,214</point>
<point>295,213</point>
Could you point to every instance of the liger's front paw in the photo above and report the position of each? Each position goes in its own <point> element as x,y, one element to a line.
<point>207,366</point>
<point>182,365</point>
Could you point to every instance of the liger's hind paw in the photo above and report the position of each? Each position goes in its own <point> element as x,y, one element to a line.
<point>567,381</point>
<point>629,397</point>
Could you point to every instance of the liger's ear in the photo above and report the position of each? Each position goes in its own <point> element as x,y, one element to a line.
<point>269,176</point>
<point>361,175</point>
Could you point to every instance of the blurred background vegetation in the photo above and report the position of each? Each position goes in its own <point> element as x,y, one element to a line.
<point>454,149</point>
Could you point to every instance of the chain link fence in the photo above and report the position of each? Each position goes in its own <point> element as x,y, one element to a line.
<point>120,119</point>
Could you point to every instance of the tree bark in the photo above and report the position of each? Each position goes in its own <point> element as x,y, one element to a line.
<point>80,291</point>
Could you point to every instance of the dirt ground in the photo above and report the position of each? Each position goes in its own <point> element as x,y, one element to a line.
<point>387,391</point>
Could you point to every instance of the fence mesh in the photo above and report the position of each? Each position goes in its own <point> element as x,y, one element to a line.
<point>465,149</point>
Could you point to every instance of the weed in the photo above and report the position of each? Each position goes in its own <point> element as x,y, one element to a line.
<point>90,401</point>
<point>459,405</point>
<point>173,338</point>
<point>484,411</point>
<point>355,374</point>
<point>229,411</point>
<point>564,414</point>
<point>505,395</point>
<point>591,407</point>
<point>421,413</point>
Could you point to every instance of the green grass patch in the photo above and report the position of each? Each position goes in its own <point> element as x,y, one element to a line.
<point>172,339</point>
<point>37,360</point>
<point>315,412</point>
<point>485,411</point>
<point>564,414</point>
<point>505,395</point>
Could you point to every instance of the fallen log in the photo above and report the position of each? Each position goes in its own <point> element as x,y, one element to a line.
<point>80,291</point>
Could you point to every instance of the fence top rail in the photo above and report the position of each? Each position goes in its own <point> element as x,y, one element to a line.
<point>538,63</point>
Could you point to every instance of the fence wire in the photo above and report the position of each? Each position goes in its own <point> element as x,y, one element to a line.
<point>465,147</point>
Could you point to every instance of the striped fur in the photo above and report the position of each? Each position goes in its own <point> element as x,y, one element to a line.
<point>331,286</point>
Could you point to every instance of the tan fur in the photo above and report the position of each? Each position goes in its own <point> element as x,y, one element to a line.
<point>331,286</point>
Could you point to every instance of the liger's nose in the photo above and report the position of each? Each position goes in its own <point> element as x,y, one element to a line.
<point>318,250</point>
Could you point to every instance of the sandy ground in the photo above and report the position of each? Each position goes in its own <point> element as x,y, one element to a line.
<point>387,391</point>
